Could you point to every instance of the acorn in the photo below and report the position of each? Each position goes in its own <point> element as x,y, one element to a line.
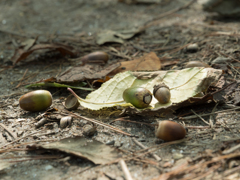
<point>95,57</point>
<point>191,64</point>
<point>162,93</point>
<point>139,97</point>
<point>38,100</point>
<point>170,131</point>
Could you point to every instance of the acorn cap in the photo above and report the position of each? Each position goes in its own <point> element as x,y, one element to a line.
<point>71,102</point>
<point>156,87</point>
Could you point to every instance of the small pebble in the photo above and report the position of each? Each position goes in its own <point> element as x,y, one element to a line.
<point>192,48</point>
<point>48,167</point>
<point>110,142</point>
<point>89,130</point>
<point>177,156</point>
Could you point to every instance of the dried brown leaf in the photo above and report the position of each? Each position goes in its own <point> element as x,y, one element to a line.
<point>148,62</point>
<point>21,53</point>
<point>91,150</point>
<point>87,72</point>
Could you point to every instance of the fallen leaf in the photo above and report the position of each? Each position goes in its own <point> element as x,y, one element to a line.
<point>148,62</point>
<point>4,165</point>
<point>110,36</point>
<point>184,85</point>
<point>168,61</point>
<point>28,43</point>
<point>22,53</point>
<point>91,150</point>
<point>101,80</point>
<point>87,72</point>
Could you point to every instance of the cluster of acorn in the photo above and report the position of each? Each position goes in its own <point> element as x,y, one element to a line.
<point>141,97</point>
<point>40,100</point>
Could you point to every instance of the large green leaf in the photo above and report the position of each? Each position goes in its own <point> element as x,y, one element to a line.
<point>183,85</point>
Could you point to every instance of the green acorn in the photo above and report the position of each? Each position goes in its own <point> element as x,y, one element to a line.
<point>139,97</point>
<point>36,100</point>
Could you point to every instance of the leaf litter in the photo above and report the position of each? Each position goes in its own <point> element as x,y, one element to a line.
<point>89,149</point>
<point>203,144</point>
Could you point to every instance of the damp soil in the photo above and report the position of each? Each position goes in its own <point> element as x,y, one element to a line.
<point>77,23</point>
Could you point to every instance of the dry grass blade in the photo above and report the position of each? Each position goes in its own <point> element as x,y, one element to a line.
<point>144,147</point>
<point>102,124</point>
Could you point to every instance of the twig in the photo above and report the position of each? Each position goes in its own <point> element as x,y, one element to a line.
<point>194,116</point>
<point>125,170</point>
<point>197,127</point>
<point>9,132</point>
<point>187,169</point>
<point>20,139</point>
<point>211,116</point>
<point>229,56</point>
<point>234,148</point>
<point>102,124</point>
<point>201,118</point>
<point>122,119</point>
<point>19,84</point>
<point>144,147</point>
<point>233,68</point>
<point>157,147</point>
<point>175,50</point>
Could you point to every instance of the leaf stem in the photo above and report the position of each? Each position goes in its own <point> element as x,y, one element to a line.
<point>83,100</point>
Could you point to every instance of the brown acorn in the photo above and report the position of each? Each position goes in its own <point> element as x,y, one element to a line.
<point>95,57</point>
<point>38,100</point>
<point>138,96</point>
<point>162,93</point>
<point>170,131</point>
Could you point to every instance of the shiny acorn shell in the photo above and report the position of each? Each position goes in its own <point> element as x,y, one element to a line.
<point>34,101</point>
<point>170,131</point>
<point>139,97</point>
<point>65,121</point>
<point>95,57</point>
<point>71,103</point>
<point>162,93</point>
<point>191,64</point>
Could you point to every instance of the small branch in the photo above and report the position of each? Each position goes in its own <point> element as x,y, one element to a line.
<point>102,124</point>
<point>9,132</point>
<point>124,120</point>
<point>144,147</point>
<point>19,139</point>
<point>234,148</point>
<point>211,116</point>
<point>19,84</point>
<point>200,117</point>
<point>125,170</point>
<point>194,116</point>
